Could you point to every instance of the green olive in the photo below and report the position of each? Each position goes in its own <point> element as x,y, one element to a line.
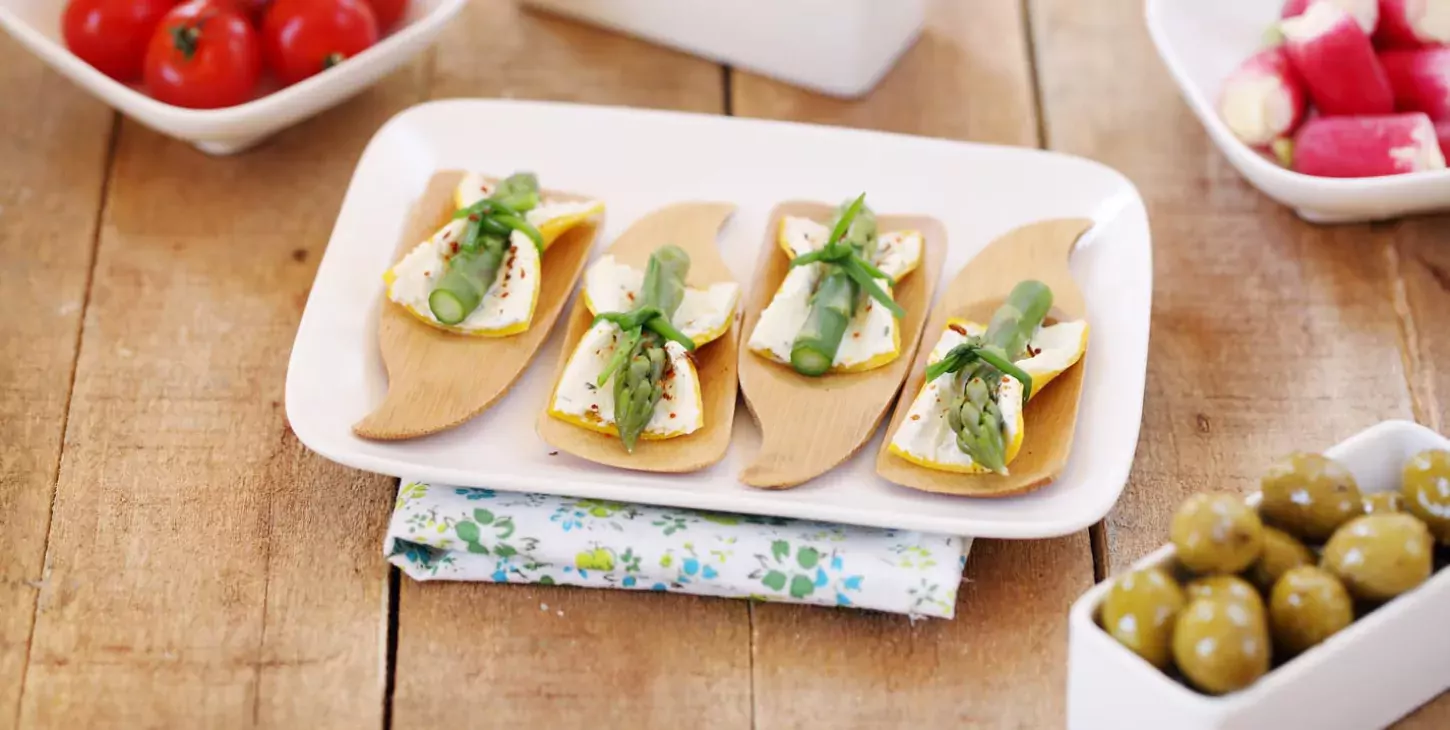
<point>1380,556</point>
<point>1139,612</point>
<point>1308,496</point>
<point>1308,605</point>
<point>1281,554</point>
<point>1427,491</point>
<point>1216,533</point>
<point>1383,503</point>
<point>1226,587</point>
<point>1220,644</point>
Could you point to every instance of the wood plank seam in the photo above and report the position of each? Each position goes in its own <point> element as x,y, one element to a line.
<point>1418,379</point>
<point>104,198</point>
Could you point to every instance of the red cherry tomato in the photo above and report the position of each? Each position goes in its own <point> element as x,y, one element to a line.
<point>203,55</point>
<point>388,12</point>
<point>304,37</point>
<point>112,34</point>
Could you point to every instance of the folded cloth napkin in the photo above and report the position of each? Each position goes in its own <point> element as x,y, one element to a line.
<point>449,533</point>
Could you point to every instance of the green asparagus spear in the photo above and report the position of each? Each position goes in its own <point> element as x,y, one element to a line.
<point>469,275</point>
<point>483,246</point>
<point>848,273</point>
<point>639,362</point>
<point>974,413</point>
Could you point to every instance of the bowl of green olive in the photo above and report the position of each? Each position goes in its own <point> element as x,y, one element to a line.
<point>1321,601</point>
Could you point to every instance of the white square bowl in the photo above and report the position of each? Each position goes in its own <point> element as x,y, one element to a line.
<point>836,47</point>
<point>36,25</point>
<point>1378,669</point>
<point>1202,43</point>
<point>640,160</point>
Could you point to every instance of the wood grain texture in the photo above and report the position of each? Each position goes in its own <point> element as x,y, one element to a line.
<point>1035,251</point>
<point>1002,661</point>
<point>846,408</point>
<point>615,659</point>
<point>53,155</point>
<point>206,570</point>
<point>437,379</point>
<point>693,227</point>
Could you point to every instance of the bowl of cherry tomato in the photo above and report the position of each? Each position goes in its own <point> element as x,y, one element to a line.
<point>224,74</point>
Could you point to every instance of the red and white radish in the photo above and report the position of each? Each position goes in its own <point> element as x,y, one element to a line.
<point>1264,99</point>
<point>1365,12</point>
<point>1442,131</point>
<point>1420,79</point>
<point>1366,146</point>
<point>1413,23</point>
<point>1337,62</point>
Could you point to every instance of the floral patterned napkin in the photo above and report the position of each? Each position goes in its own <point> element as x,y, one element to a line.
<point>449,533</point>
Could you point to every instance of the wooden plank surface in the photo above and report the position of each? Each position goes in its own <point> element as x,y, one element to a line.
<point>1269,334</point>
<point>1002,661</point>
<point>483,655</point>
<point>204,568</point>
<point>53,152</point>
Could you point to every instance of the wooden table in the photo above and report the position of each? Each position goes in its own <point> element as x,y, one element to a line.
<point>174,557</point>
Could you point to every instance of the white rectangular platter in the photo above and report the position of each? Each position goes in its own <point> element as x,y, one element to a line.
<point>637,161</point>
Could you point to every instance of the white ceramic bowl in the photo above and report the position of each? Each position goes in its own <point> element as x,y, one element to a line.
<point>836,47</point>
<point>1201,43</point>
<point>36,25</point>
<point>1377,670</point>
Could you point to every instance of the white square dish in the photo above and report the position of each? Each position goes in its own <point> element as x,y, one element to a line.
<point>637,161</point>
<point>1377,670</point>
<point>836,47</point>
<point>36,25</point>
<point>1202,43</point>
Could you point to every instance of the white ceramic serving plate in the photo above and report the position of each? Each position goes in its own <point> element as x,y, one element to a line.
<point>637,161</point>
<point>36,24</point>
<point>837,47</point>
<point>1366,676</point>
<point>1202,43</point>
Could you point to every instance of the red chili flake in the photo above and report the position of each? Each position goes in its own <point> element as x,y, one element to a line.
<point>593,406</point>
<point>523,274</point>
<point>957,328</point>
<point>447,233</point>
<point>916,416</point>
<point>473,217</point>
<point>630,295</point>
<point>667,396</point>
<point>856,336</point>
<point>504,295</point>
<point>868,306</point>
<point>672,415</point>
<point>427,273</point>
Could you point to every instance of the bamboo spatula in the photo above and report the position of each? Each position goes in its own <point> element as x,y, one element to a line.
<point>1036,251</point>
<point>437,379</point>
<point>810,425</point>
<point>693,227</point>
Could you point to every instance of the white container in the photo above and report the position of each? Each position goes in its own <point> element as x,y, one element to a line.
<point>639,160</point>
<point>1377,670</point>
<point>837,47</point>
<point>1202,43</point>
<point>36,25</point>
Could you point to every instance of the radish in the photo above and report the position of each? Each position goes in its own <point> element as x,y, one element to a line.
<point>1420,79</point>
<point>1366,146</point>
<point>1334,57</point>
<point>1413,23</point>
<point>1264,99</point>
<point>1365,12</point>
<point>1442,130</point>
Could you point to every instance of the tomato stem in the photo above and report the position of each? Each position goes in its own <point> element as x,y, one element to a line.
<point>332,59</point>
<point>187,37</point>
